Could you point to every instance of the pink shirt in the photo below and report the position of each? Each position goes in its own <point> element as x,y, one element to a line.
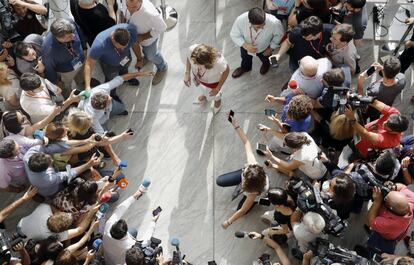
<point>391,226</point>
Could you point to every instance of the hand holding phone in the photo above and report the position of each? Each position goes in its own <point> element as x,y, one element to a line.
<point>371,70</point>
<point>130,131</point>
<point>270,112</point>
<point>231,115</point>
<point>274,62</point>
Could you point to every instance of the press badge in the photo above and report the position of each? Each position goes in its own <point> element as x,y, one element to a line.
<point>124,61</point>
<point>76,64</point>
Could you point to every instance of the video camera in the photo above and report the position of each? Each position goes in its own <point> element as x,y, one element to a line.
<point>373,182</point>
<point>340,98</point>
<point>150,252</point>
<point>329,254</point>
<point>338,15</point>
<point>310,200</point>
<point>7,241</point>
<point>359,102</point>
<point>8,20</point>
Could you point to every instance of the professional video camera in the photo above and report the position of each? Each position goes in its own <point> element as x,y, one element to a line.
<point>338,15</point>
<point>310,200</point>
<point>8,20</point>
<point>7,241</point>
<point>329,254</point>
<point>359,102</point>
<point>150,252</point>
<point>177,258</point>
<point>373,182</point>
<point>339,97</point>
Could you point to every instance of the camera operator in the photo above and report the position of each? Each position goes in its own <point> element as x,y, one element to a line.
<point>306,228</point>
<point>28,23</point>
<point>385,89</point>
<point>380,134</point>
<point>352,12</point>
<point>117,237</point>
<point>389,217</point>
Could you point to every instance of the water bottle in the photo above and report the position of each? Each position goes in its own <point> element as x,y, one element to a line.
<point>292,86</point>
<point>144,186</point>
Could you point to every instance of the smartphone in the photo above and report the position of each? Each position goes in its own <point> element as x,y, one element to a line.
<point>97,153</point>
<point>156,211</point>
<point>211,262</point>
<point>270,112</point>
<point>130,131</point>
<point>231,115</point>
<point>370,70</point>
<point>267,163</point>
<point>77,92</point>
<point>261,147</point>
<point>273,62</point>
<point>264,201</point>
<point>287,126</point>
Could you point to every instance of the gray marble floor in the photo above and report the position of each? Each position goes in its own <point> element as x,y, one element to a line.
<point>182,147</point>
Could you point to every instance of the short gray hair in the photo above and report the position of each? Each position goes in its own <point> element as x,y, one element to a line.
<point>61,27</point>
<point>314,222</point>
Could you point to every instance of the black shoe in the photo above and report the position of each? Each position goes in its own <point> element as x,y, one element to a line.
<point>133,82</point>
<point>95,82</point>
<point>237,191</point>
<point>124,113</point>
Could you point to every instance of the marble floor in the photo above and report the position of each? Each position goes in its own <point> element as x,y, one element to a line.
<point>182,147</point>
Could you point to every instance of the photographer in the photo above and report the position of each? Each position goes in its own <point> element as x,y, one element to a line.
<point>251,180</point>
<point>385,89</point>
<point>389,217</point>
<point>27,12</point>
<point>117,238</point>
<point>380,134</point>
<point>352,12</point>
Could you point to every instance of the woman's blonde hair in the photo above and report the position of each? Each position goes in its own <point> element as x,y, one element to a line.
<point>4,80</point>
<point>204,55</point>
<point>340,128</point>
<point>77,121</point>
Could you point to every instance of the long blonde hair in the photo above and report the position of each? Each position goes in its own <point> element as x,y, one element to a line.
<point>77,121</point>
<point>339,127</point>
<point>4,80</point>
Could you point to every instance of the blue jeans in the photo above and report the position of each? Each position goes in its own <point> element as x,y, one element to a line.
<point>229,179</point>
<point>117,108</point>
<point>153,55</point>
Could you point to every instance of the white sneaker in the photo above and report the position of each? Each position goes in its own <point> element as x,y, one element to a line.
<point>267,217</point>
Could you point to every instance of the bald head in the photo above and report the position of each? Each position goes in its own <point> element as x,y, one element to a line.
<point>397,202</point>
<point>309,66</point>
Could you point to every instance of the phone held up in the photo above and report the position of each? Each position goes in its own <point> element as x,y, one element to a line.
<point>231,115</point>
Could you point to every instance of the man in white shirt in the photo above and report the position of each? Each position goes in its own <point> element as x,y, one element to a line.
<point>38,97</point>
<point>150,25</point>
<point>309,75</point>
<point>256,33</point>
<point>117,237</point>
<point>100,105</point>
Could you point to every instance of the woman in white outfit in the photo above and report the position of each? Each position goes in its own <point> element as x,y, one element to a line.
<point>209,70</point>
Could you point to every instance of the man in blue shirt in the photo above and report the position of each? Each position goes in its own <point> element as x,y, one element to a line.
<point>112,49</point>
<point>63,55</point>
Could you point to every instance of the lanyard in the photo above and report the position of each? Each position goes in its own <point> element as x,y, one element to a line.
<point>319,45</point>
<point>117,52</point>
<point>251,36</point>
<point>69,48</point>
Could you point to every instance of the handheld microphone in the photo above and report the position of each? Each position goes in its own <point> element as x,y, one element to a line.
<point>144,186</point>
<point>122,183</point>
<point>242,234</point>
<point>123,164</point>
<point>102,211</point>
<point>105,197</point>
<point>96,244</point>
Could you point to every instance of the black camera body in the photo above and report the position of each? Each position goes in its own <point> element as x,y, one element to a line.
<point>338,15</point>
<point>359,102</point>
<point>7,241</point>
<point>150,252</point>
<point>329,254</point>
<point>8,20</point>
<point>265,259</point>
<point>339,98</point>
<point>309,200</point>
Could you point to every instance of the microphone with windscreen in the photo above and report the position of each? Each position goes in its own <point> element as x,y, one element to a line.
<point>242,234</point>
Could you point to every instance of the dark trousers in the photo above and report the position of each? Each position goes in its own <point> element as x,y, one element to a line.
<point>247,59</point>
<point>229,179</point>
<point>406,58</point>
